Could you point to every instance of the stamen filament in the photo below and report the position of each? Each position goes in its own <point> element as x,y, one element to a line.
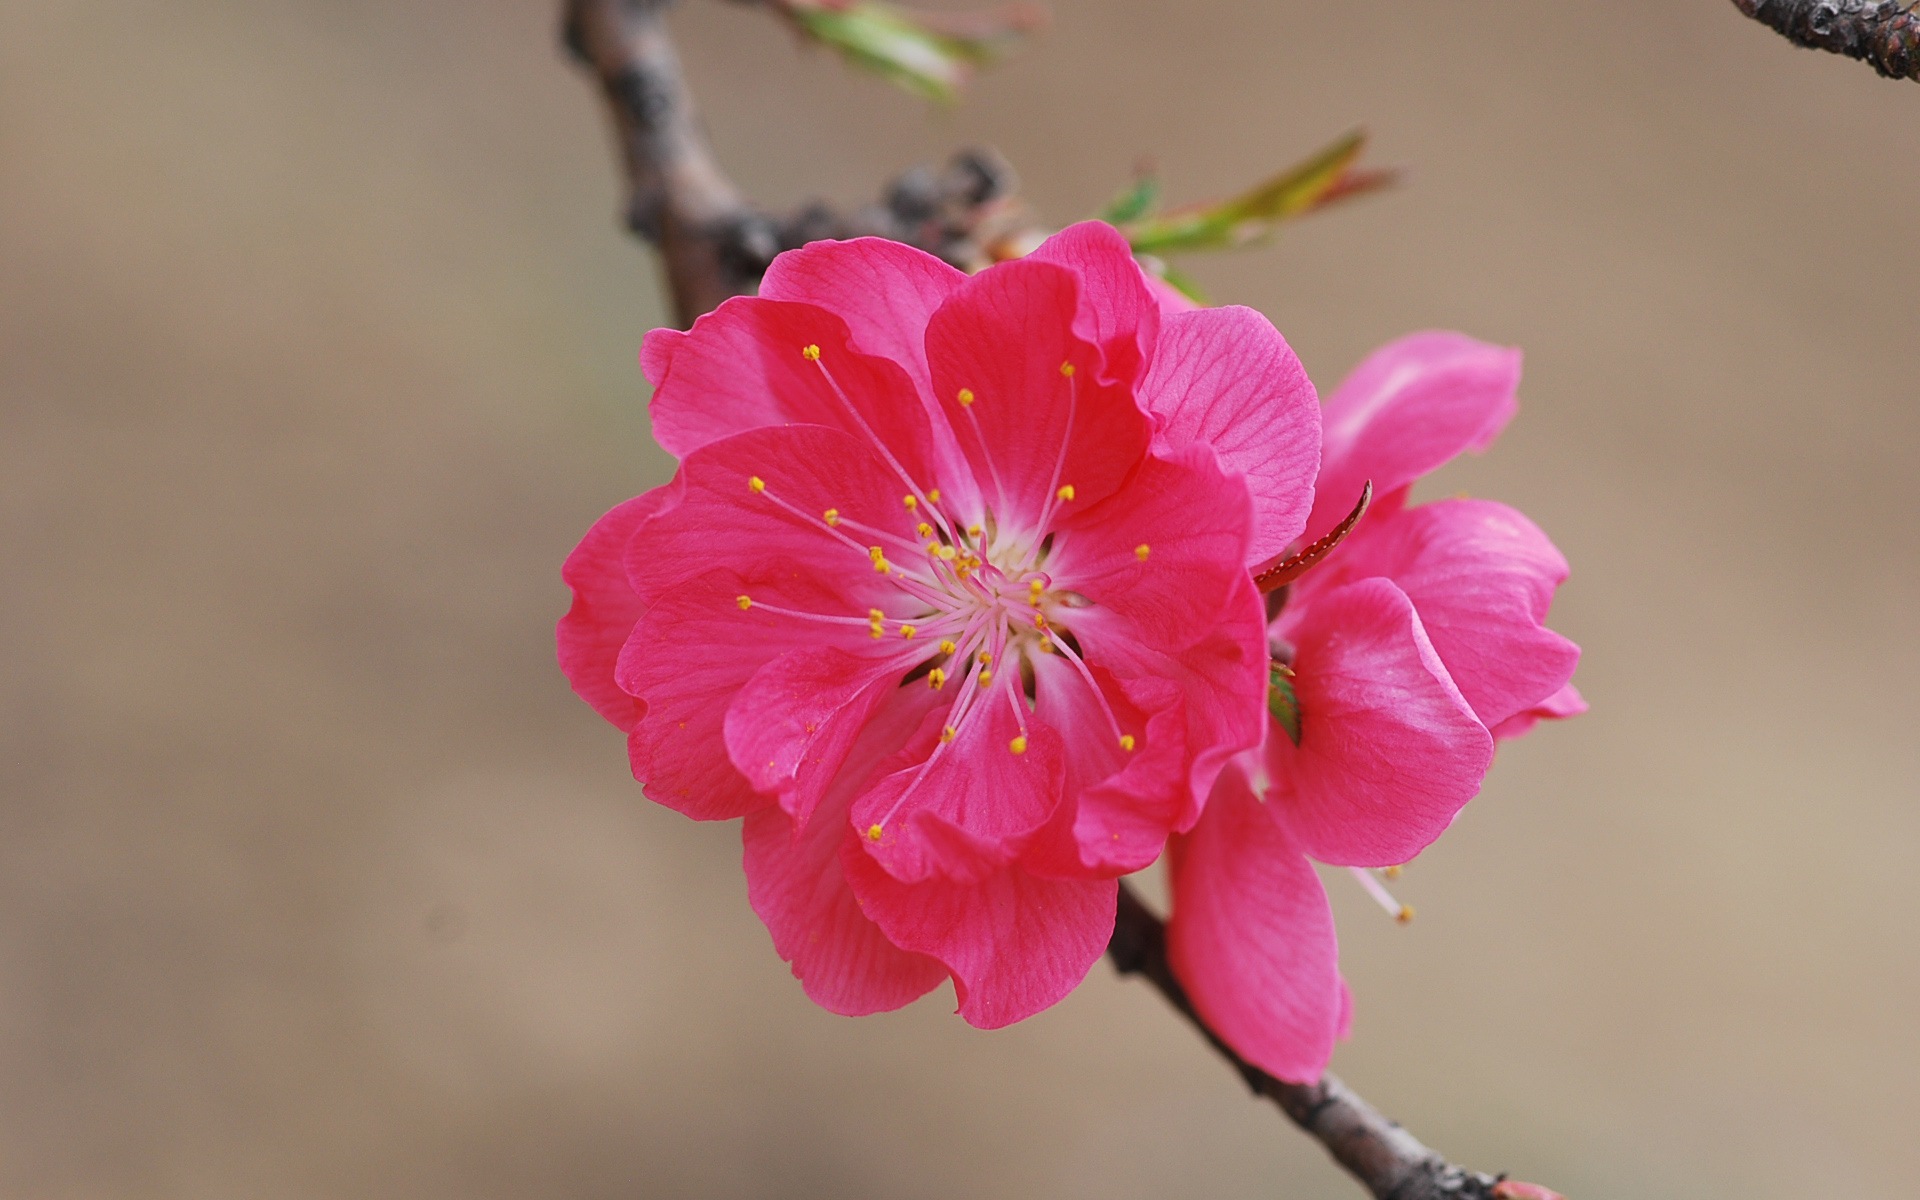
<point>1381,896</point>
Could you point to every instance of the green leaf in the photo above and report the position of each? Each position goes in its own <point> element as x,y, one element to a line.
<point>927,54</point>
<point>1282,701</point>
<point>1327,177</point>
<point>1132,202</point>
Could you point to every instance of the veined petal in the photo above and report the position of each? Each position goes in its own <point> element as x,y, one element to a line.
<point>791,726</point>
<point>1389,750</point>
<point>687,658</point>
<point>997,349</point>
<point>1413,405</point>
<point>962,809</point>
<point>718,518</point>
<point>1015,944</point>
<point>1161,559</point>
<point>1251,936</point>
<point>754,363</point>
<point>1567,702</point>
<point>1482,577</point>
<point>604,609</point>
<point>1118,312</point>
<point>1225,378</point>
<point>796,885</point>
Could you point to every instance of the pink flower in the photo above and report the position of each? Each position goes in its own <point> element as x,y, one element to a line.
<point>1412,647</point>
<point>950,600</point>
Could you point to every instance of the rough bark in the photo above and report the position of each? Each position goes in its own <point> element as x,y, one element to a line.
<point>1883,33</point>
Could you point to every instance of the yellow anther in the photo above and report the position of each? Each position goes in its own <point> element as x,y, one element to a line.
<point>949,733</point>
<point>1039,620</point>
<point>912,502</point>
<point>1066,368</point>
<point>1391,872</point>
<point>879,558</point>
<point>974,532</point>
<point>1046,648</point>
<point>1405,914</point>
<point>1019,744</point>
<point>985,658</point>
<point>947,646</point>
<point>965,397</point>
<point>1065,492</point>
<point>1126,742</point>
<point>876,622</point>
<point>745,602</point>
<point>810,353</point>
<point>831,516</point>
<point>945,553</point>
<point>986,677</point>
<point>873,833</point>
<point>923,529</point>
<point>934,495</point>
<point>756,483</point>
<point>936,679</point>
<point>907,631</point>
<point>1035,587</point>
<point>1141,551</point>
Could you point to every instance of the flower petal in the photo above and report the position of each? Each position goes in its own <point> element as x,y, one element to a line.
<point>686,660</point>
<point>1389,750</point>
<point>796,884</point>
<point>1413,405</point>
<point>1003,339</point>
<point>748,365</point>
<point>1015,944</point>
<point>1226,378</point>
<point>1160,560</point>
<point>791,726</point>
<point>1118,311</point>
<point>1567,702</point>
<point>604,608</point>
<point>1251,935</point>
<point>962,808</point>
<point>1482,577</point>
<point>717,518</point>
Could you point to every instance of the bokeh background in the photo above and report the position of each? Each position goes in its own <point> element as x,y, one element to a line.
<point>317,341</point>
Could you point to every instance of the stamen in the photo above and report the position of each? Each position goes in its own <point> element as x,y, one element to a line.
<point>936,679</point>
<point>907,631</point>
<point>874,833</point>
<point>965,397</point>
<point>1381,896</point>
<point>756,483</point>
<point>879,558</point>
<point>1126,742</point>
<point>924,530</point>
<point>947,647</point>
<point>1141,551</point>
<point>1019,744</point>
<point>810,353</point>
<point>1065,492</point>
<point>1060,460</point>
<point>911,501</point>
<point>745,602</point>
<point>1113,723</point>
<point>876,621</point>
<point>832,516</point>
<point>934,495</point>
<point>948,734</point>
<point>1066,368</point>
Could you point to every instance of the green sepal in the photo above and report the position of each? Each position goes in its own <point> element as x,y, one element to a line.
<point>1132,202</point>
<point>1282,701</point>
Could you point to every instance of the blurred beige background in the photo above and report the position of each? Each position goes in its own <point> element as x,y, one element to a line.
<point>317,346</point>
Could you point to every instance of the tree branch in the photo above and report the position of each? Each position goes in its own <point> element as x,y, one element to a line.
<point>712,242</point>
<point>1390,1162</point>
<point>1885,33</point>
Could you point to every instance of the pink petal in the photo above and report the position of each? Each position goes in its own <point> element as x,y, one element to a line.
<point>1251,936</point>
<point>886,292</point>
<point>1567,702</point>
<point>1482,577</point>
<point>1223,687</point>
<point>742,367</point>
<point>1194,521</point>
<point>1118,311</point>
<point>791,726</point>
<point>963,808</point>
<point>687,658</point>
<point>1226,378</point>
<point>1389,749</point>
<point>718,519</point>
<point>604,608</point>
<point>1003,338</point>
<point>796,884</point>
<point>1015,944</point>
<point>1411,406</point>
